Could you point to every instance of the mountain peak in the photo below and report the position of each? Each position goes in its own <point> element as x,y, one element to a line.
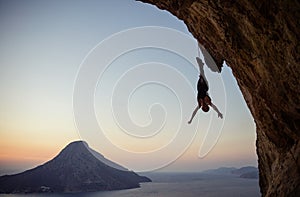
<point>79,148</point>
<point>75,147</point>
<point>77,143</point>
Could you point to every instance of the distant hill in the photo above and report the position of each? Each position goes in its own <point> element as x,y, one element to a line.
<point>244,172</point>
<point>74,169</point>
<point>250,175</point>
<point>222,170</point>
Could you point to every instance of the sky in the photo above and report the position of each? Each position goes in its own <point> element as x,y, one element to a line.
<point>120,75</point>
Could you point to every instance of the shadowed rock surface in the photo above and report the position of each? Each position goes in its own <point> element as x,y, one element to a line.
<point>74,169</point>
<point>259,40</point>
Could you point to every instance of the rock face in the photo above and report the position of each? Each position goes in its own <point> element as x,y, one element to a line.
<point>259,40</point>
<point>74,169</point>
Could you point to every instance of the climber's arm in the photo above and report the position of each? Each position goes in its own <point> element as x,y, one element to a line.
<point>193,115</point>
<point>217,110</point>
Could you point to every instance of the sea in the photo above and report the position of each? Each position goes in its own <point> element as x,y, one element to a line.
<point>175,185</point>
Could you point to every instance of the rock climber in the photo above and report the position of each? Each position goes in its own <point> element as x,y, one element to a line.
<point>204,101</point>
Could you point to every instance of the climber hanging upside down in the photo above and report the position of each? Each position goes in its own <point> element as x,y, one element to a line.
<point>204,101</point>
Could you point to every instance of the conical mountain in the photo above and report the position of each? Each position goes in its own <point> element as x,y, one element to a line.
<point>74,169</point>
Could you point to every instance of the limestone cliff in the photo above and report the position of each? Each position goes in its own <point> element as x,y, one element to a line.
<point>259,40</point>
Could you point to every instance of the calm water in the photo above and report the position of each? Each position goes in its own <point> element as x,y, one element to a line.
<point>177,185</point>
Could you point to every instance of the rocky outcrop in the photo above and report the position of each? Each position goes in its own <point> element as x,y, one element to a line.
<point>259,40</point>
<point>74,169</point>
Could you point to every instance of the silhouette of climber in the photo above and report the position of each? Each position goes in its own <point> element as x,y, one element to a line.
<point>204,101</point>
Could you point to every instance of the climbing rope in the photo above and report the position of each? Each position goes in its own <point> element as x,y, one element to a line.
<point>198,49</point>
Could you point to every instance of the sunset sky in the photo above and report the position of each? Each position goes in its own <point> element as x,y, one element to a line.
<point>141,103</point>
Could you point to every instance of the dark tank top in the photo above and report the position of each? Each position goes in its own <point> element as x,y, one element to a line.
<point>202,88</point>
